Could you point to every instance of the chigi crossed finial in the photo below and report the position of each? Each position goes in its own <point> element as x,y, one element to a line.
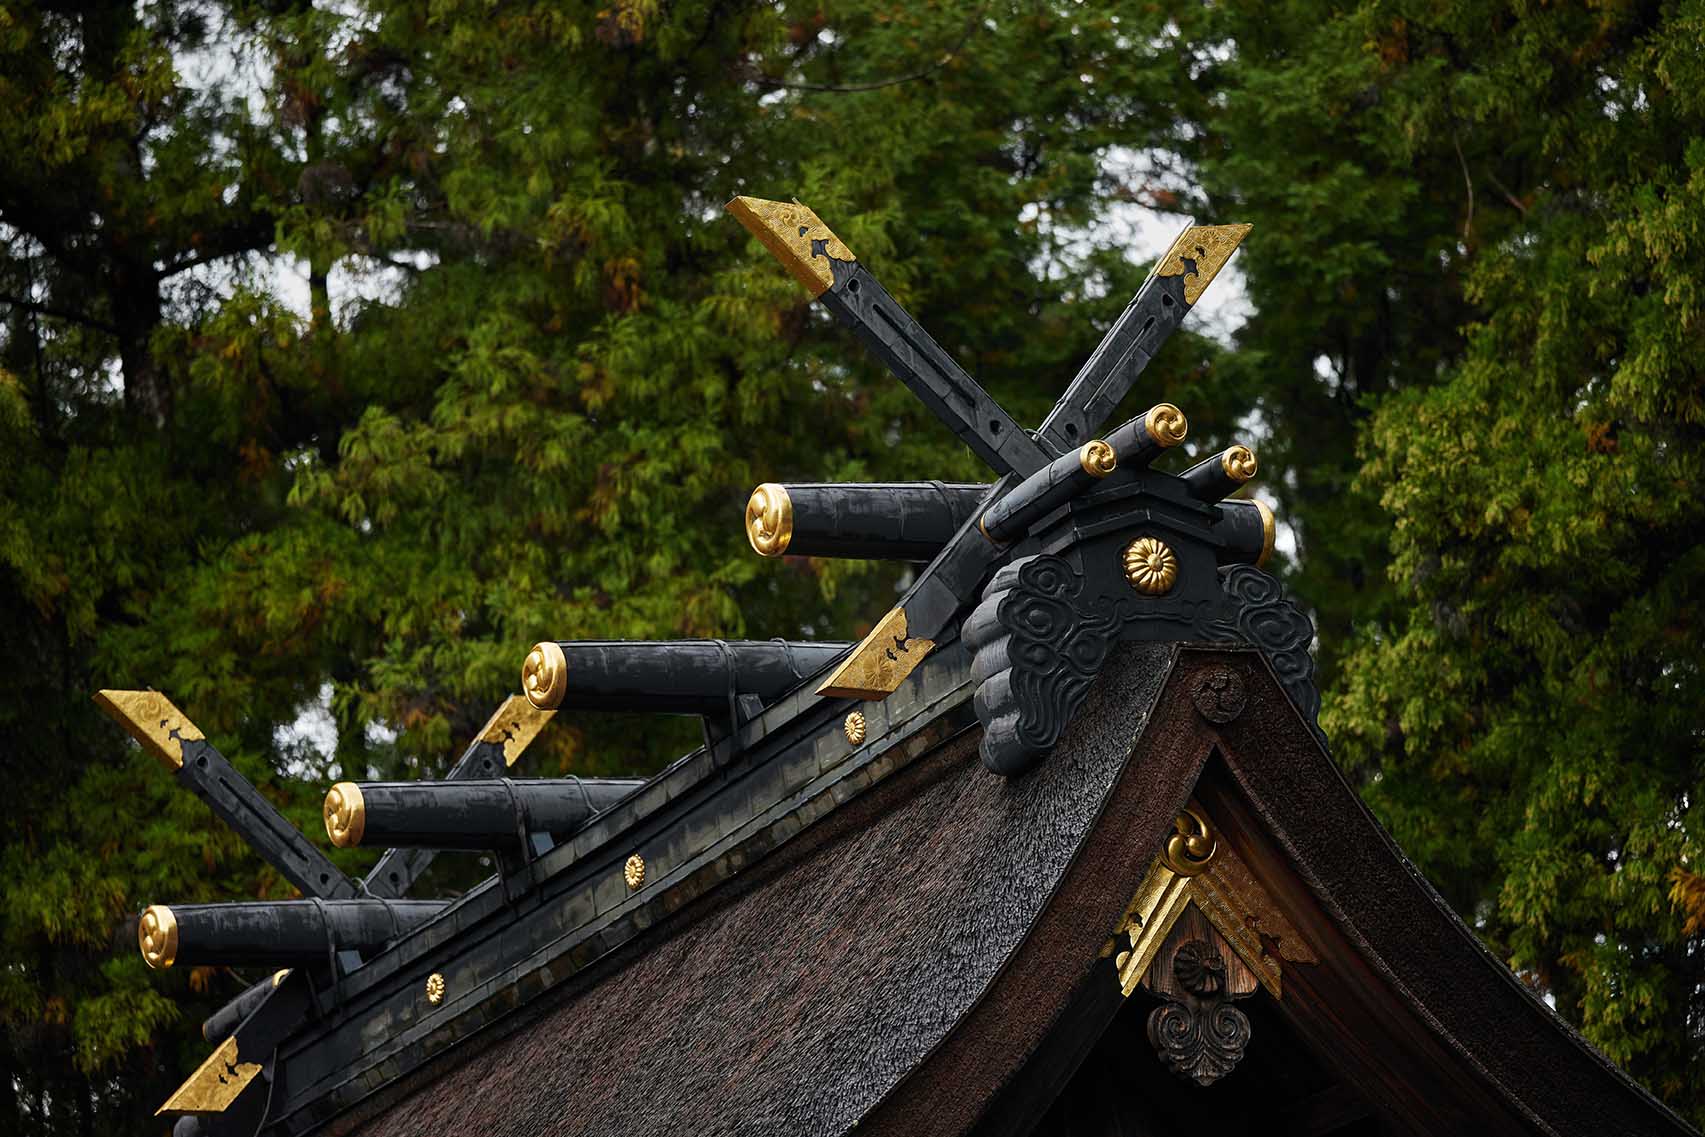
<point>1088,544</point>
<point>1078,543</point>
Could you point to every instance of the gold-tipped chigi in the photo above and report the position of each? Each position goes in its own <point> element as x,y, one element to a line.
<point>151,719</point>
<point>215,1083</point>
<point>1199,254</point>
<point>515,724</point>
<point>792,233</point>
<point>880,663</point>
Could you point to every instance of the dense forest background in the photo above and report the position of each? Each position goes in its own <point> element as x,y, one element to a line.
<point>347,349</point>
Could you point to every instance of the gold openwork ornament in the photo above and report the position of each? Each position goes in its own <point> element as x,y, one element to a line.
<point>1150,566</point>
<point>1166,424</point>
<point>1192,846</point>
<point>634,872</point>
<point>790,231</point>
<point>1238,462</point>
<point>435,988</point>
<point>853,726</point>
<point>1199,254</point>
<point>1097,459</point>
<point>769,520</point>
<point>346,815</point>
<point>544,675</point>
<point>157,935</point>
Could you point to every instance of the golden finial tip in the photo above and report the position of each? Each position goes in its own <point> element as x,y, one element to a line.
<point>544,675</point>
<point>151,719</point>
<point>1166,424</point>
<point>769,520</point>
<point>1199,254</point>
<point>1097,459</point>
<point>1238,462</point>
<point>796,237</point>
<point>346,815</point>
<point>157,936</point>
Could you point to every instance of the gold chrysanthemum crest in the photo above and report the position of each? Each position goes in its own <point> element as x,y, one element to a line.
<point>1150,566</point>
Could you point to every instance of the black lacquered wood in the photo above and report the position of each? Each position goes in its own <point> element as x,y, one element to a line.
<point>1135,445</point>
<point>285,933</point>
<point>907,521</point>
<point>493,815</point>
<point>1208,479</point>
<point>211,777</point>
<point>222,1022</point>
<point>859,301</point>
<point>1042,492</point>
<point>1244,530</point>
<point>699,677</point>
<point>1153,314</point>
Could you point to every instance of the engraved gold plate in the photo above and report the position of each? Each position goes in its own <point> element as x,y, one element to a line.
<point>544,675</point>
<point>215,1083</point>
<point>1199,254</point>
<point>346,815</point>
<point>880,663</point>
<point>793,234</point>
<point>515,724</point>
<point>1150,566</point>
<point>769,520</point>
<point>157,936</point>
<point>152,720</point>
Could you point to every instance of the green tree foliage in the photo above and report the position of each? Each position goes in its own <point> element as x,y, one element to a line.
<point>1477,290</point>
<point>537,370</point>
<point>537,373</point>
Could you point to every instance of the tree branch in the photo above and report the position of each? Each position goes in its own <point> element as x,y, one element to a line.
<point>58,313</point>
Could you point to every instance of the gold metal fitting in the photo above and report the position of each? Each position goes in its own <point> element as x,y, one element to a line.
<point>279,976</point>
<point>791,232</point>
<point>853,727</point>
<point>514,725</point>
<point>1193,845</point>
<point>152,720</point>
<point>634,872</point>
<point>435,988</point>
<point>769,519</point>
<point>1150,567</point>
<point>880,663</point>
<point>1166,424</point>
<point>1238,462</point>
<point>1266,532</point>
<point>217,1083</point>
<point>1097,459</point>
<point>1198,255</point>
<point>544,676</point>
<point>157,935</point>
<point>346,815</point>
